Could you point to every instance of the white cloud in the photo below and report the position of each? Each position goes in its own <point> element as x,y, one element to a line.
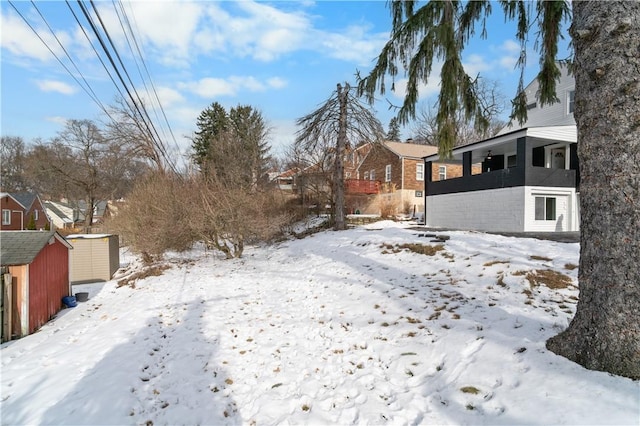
<point>277,82</point>
<point>211,87</point>
<point>169,97</point>
<point>57,120</point>
<point>425,91</point>
<point>21,41</point>
<point>354,44</point>
<point>476,64</point>
<point>56,86</point>
<point>167,29</point>
<point>509,54</point>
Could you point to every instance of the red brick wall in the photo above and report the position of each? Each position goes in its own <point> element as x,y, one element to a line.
<point>17,214</point>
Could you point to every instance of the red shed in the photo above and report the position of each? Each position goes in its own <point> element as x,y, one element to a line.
<point>38,265</point>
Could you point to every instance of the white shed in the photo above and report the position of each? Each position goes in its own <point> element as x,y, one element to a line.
<point>95,257</point>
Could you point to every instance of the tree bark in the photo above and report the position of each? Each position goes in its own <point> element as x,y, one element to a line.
<point>605,332</point>
<point>338,176</point>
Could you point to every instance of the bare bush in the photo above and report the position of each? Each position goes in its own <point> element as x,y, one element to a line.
<point>155,217</point>
<point>227,218</point>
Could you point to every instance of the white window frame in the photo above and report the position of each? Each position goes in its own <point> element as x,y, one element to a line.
<point>419,172</point>
<point>571,105</point>
<point>387,173</point>
<point>544,211</point>
<point>366,175</point>
<point>442,172</point>
<point>6,217</point>
<point>372,174</point>
<point>35,215</point>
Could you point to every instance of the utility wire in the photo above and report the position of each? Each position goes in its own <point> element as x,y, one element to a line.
<point>139,104</point>
<point>88,90</point>
<point>130,35</point>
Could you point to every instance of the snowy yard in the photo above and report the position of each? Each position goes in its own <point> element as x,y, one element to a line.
<point>337,328</point>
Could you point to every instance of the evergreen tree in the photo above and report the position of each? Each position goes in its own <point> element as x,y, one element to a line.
<point>394,130</point>
<point>605,332</point>
<point>211,122</point>
<point>251,128</point>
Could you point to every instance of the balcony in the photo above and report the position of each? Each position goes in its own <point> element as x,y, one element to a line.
<point>505,178</point>
<point>361,186</point>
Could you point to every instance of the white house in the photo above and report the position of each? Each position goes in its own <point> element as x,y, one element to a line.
<point>557,114</point>
<point>529,179</point>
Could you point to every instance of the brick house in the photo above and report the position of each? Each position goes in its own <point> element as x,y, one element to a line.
<point>397,169</point>
<point>19,210</point>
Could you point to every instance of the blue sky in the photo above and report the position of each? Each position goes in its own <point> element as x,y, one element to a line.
<point>283,58</point>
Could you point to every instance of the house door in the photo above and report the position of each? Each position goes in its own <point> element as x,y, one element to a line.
<point>558,160</point>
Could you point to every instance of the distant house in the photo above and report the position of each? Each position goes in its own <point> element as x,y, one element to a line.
<point>390,179</point>
<point>22,211</point>
<point>285,180</point>
<point>38,264</point>
<point>63,216</point>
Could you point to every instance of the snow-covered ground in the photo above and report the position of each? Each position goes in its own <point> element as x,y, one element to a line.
<point>336,328</point>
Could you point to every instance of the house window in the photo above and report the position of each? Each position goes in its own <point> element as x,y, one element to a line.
<point>372,175</point>
<point>366,175</point>
<point>35,215</point>
<point>387,173</point>
<point>419,171</point>
<point>571,101</point>
<point>418,194</point>
<point>348,175</point>
<point>531,106</point>
<point>545,208</point>
<point>6,217</point>
<point>511,161</point>
<point>442,172</point>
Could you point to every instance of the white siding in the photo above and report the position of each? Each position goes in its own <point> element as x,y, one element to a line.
<point>93,258</point>
<point>503,210</point>
<point>549,115</point>
<point>490,210</point>
<point>566,209</point>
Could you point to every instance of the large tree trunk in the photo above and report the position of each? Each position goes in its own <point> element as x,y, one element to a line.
<point>605,333</point>
<point>338,177</point>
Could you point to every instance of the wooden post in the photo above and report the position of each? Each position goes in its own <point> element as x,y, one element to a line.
<point>6,307</point>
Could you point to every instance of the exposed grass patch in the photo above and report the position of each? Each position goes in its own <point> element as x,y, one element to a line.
<point>542,258</point>
<point>495,262</point>
<point>470,389</point>
<point>550,278</point>
<point>151,271</point>
<point>427,250</point>
<point>570,266</point>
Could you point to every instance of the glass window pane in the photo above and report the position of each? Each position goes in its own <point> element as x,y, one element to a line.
<point>539,208</point>
<point>550,209</point>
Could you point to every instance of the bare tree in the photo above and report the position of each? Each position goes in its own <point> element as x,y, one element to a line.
<point>126,128</point>
<point>80,164</point>
<point>492,103</point>
<point>314,180</point>
<point>12,164</point>
<point>347,121</point>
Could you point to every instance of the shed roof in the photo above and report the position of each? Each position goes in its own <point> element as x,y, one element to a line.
<point>22,247</point>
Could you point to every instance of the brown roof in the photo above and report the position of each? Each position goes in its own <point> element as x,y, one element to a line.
<point>411,150</point>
